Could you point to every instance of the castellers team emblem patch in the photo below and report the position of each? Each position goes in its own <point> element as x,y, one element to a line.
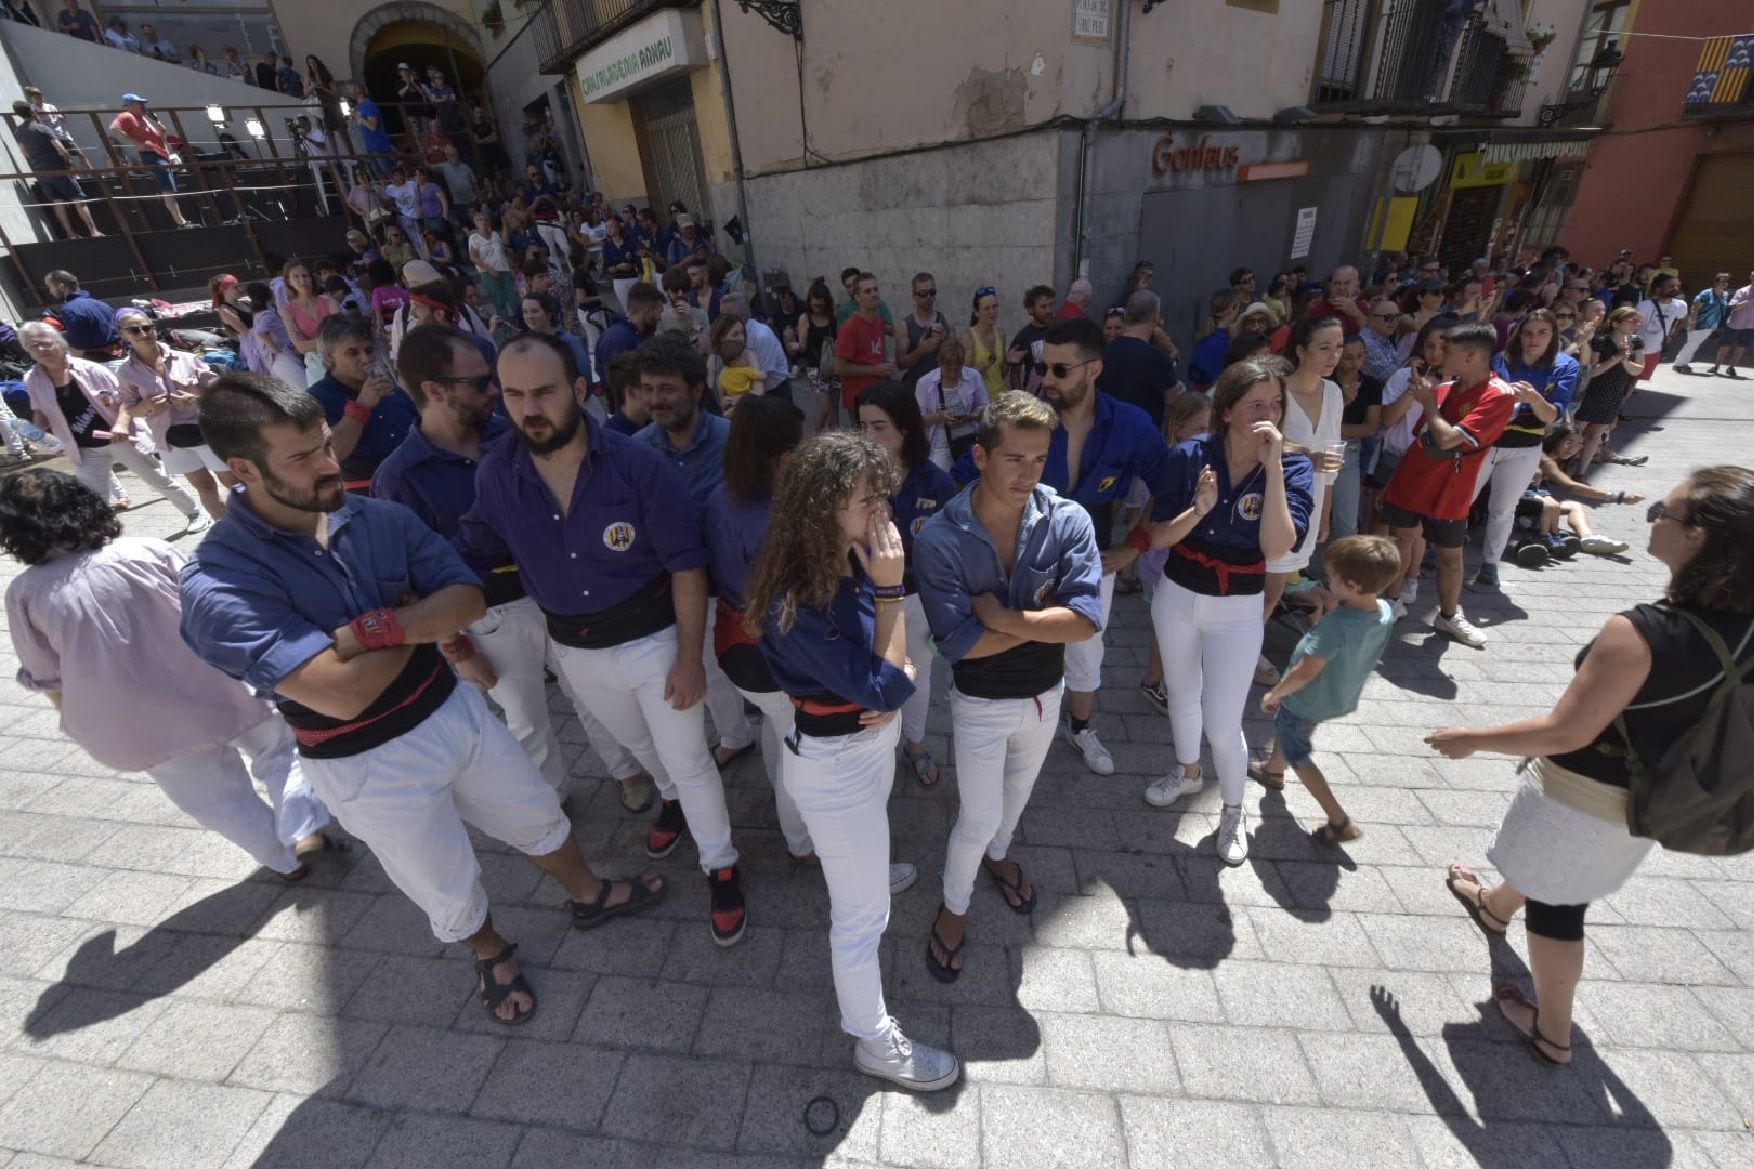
<point>1249,506</point>
<point>919,522</point>
<point>618,536</point>
<point>1108,481</point>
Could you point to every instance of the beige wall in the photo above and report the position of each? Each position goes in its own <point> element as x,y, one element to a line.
<point>1216,52</point>
<point>1548,84</point>
<point>608,130</point>
<point>325,27</point>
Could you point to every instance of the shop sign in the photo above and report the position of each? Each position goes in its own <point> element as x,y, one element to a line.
<point>1090,21</point>
<point>1304,236</point>
<point>1472,170</point>
<point>672,41</point>
<point>1167,156</point>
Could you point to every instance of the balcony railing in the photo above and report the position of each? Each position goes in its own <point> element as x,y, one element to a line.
<point>1409,56</point>
<point>1721,83</point>
<point>565,28</point>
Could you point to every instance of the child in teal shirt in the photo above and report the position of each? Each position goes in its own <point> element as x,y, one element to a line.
<point>1328,672</point>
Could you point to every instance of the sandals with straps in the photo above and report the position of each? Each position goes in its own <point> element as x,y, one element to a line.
<point>1532,1038</point>
<point>588,915</point>
<point>493,993</point>
<point>1271,780</point>
<point>925,767</point>
<point>1475,905</point>
<point>1334,835</point>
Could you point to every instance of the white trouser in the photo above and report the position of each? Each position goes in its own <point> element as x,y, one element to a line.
<point>9,430</point>
<point>1000,745</point>
<point>1695,338</point>
<point>623,285</point>
<point>919,651</point>
<point>1509,470</point>
<point>842,787</point>
<point>776,727</point>
<point>624,687</point>
<point>96,473</point>
<point>410,798</point>
<point>1209,646</point>
<point>213,786</point>
<point>723,701</point>
<point>514,637</point>
<point>1084,658</point>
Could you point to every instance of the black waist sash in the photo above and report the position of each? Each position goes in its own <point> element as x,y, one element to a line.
<point>1023,671</point>
<point>1217,570</point>
<point>826,716</point>
<point>649,610</point>
<point>421,688</point>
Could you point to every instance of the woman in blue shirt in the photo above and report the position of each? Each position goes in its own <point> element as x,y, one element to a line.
<point>826,598</point>
<point>1544,380</point>
<point>889,413</point>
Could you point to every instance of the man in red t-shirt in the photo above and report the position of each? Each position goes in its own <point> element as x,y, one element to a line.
<point>148,134</point>
<point>862,346</point>
<point>1077,300</point>
<point>1343,301</point>
<point>1434,486</point>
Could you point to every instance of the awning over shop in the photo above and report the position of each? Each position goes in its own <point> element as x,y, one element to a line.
<point>1528,151</point>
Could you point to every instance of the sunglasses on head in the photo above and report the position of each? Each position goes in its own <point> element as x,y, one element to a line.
<point>987,291</point>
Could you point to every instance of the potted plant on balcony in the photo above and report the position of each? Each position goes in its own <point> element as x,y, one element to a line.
<point>1540,36</point>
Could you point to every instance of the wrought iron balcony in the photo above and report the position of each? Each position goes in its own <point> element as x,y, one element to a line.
<point>566,28</point>
<point>1415,57</point>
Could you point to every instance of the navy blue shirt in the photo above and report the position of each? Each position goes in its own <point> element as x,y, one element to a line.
<point>1235,521</point>
<point>620,532</point>
<point>620,337</point>
<point>435,484</point>
<point>619,423</point>
<point>734,532</point>
<point>1057,564</point>
<point>828,651</point>
<point>702,462</point>
<point>88,322</point>
<point>259,602</point>
<point>925,490</point>
<point>392,418</point>
<point>1138,372</point>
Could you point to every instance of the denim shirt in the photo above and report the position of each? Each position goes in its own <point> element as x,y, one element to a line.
<point>956,560</point>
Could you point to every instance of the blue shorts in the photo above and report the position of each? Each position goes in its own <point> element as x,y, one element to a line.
<point>161,170</point>
<point>1292,732</point>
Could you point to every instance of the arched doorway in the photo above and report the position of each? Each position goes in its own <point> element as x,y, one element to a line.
<point>421,34</point>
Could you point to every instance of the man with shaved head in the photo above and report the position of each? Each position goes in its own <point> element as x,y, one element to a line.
<point>1343,301</point>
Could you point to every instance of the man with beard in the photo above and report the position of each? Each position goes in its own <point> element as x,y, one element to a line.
<point>601,530</point>
<point>335,604</point>
<point>672,380</point>
<point>433,475</point>
<point>1101,447</point>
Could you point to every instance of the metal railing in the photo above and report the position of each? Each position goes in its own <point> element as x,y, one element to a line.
<point>1409,56</point>
<point>267,177</point>
<point>565,28</point>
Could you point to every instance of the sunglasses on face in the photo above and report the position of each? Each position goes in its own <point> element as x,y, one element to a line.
<point>1059,368</point>
<point>1385,316</point>
<point>1657,511</point>
<point>925,293</point>
<point>131,330</point>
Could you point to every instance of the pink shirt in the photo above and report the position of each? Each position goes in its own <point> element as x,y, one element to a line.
<point>95,381</point>
<point>103,629</point>
<point>140,383</point>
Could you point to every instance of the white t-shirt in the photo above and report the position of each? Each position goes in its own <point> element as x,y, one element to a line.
<point>488,251</point>
<point>1659,320</point>
<point>1397,438</point>
<point>965,399</point>
<point>1317,436</point>
<point>407,197</point>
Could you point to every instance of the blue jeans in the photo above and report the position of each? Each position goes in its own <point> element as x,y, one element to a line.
<point>1345,490</point>
<point>1292,733</point>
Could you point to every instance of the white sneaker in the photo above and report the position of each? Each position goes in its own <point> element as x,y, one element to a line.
<point>901,877</point>
<point>913,1066</point>
<point>1233,840</point>
<point>1172,787</point>
<point>1459,629</point>
<point>1266,673</point>
<point>1410,592</point>
<point>1603,546</point>
<point>1398,607</point>
<point>1096,756</point>
<point>198,522</point>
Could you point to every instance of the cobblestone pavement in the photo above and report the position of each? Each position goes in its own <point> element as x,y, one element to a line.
<point>167,1005</point>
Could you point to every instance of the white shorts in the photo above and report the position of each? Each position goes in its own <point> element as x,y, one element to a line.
<point>182,460</point>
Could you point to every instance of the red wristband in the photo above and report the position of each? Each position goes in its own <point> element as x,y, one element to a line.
<point>360,414</point>
<point>458,650</point>
<point>1139,539</point>
<point>377,629</point>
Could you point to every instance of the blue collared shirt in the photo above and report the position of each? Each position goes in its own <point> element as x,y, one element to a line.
<point>623,527</point>
<point>1235,520</point>
<point>89,323</point>
<point>1557,383</point>
<point>580,353</point>
<point>922,495</point>
<point>620,337</point>
<point>957,561</point>
<point>734,532</point>
<point>392,418</point>
<point>259,602</point>
<point>702,462</point>
<point>435,484</point>
<point>828,651</point>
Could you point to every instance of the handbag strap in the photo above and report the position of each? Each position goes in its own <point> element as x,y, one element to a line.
<point>1734,676</point>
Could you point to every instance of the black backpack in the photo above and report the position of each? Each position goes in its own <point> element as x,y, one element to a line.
<point>1697,798</point>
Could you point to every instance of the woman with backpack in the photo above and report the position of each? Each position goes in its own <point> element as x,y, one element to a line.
<point>1644,682</point>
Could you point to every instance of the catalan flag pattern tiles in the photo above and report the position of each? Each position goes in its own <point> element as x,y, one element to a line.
<point>1724,65</point>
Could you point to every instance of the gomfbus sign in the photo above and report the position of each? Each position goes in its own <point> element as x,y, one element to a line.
<point>1171,156</point>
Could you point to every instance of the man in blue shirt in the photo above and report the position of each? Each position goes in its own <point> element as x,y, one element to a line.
<point>1010,579</point>
<point>645,304</point>
<point>368,414</point>
<point>672,379</point>
<point>433,474</point>
<point>600,528</point>
<point>87,322</point>
<point>374,140</point>
<point>335,605</point>
<point>688,242</point>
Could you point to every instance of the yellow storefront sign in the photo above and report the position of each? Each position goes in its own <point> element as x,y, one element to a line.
<point>1472,170</point>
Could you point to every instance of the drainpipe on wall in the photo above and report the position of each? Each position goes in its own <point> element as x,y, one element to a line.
<point>1081,235</point>
<point>736,146</point>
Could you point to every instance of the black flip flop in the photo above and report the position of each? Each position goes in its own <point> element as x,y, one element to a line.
<point>1014,890</point>
<point>494,993</point>
<point>588,915</point>
<point>1532,1038</point>
<point>943,971</point>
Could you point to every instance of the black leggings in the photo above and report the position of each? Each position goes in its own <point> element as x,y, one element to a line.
<point>1562,923</point>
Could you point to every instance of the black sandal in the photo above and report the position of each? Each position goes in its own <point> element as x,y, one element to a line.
<point>1271,780</point>
<point>1011,889</point>
<point>1532,1038</point>
<point>493,993</point>
<point>943,971</point>
<point>1334,835</point>
<point>1475,905</point>
<point>588,915</point>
